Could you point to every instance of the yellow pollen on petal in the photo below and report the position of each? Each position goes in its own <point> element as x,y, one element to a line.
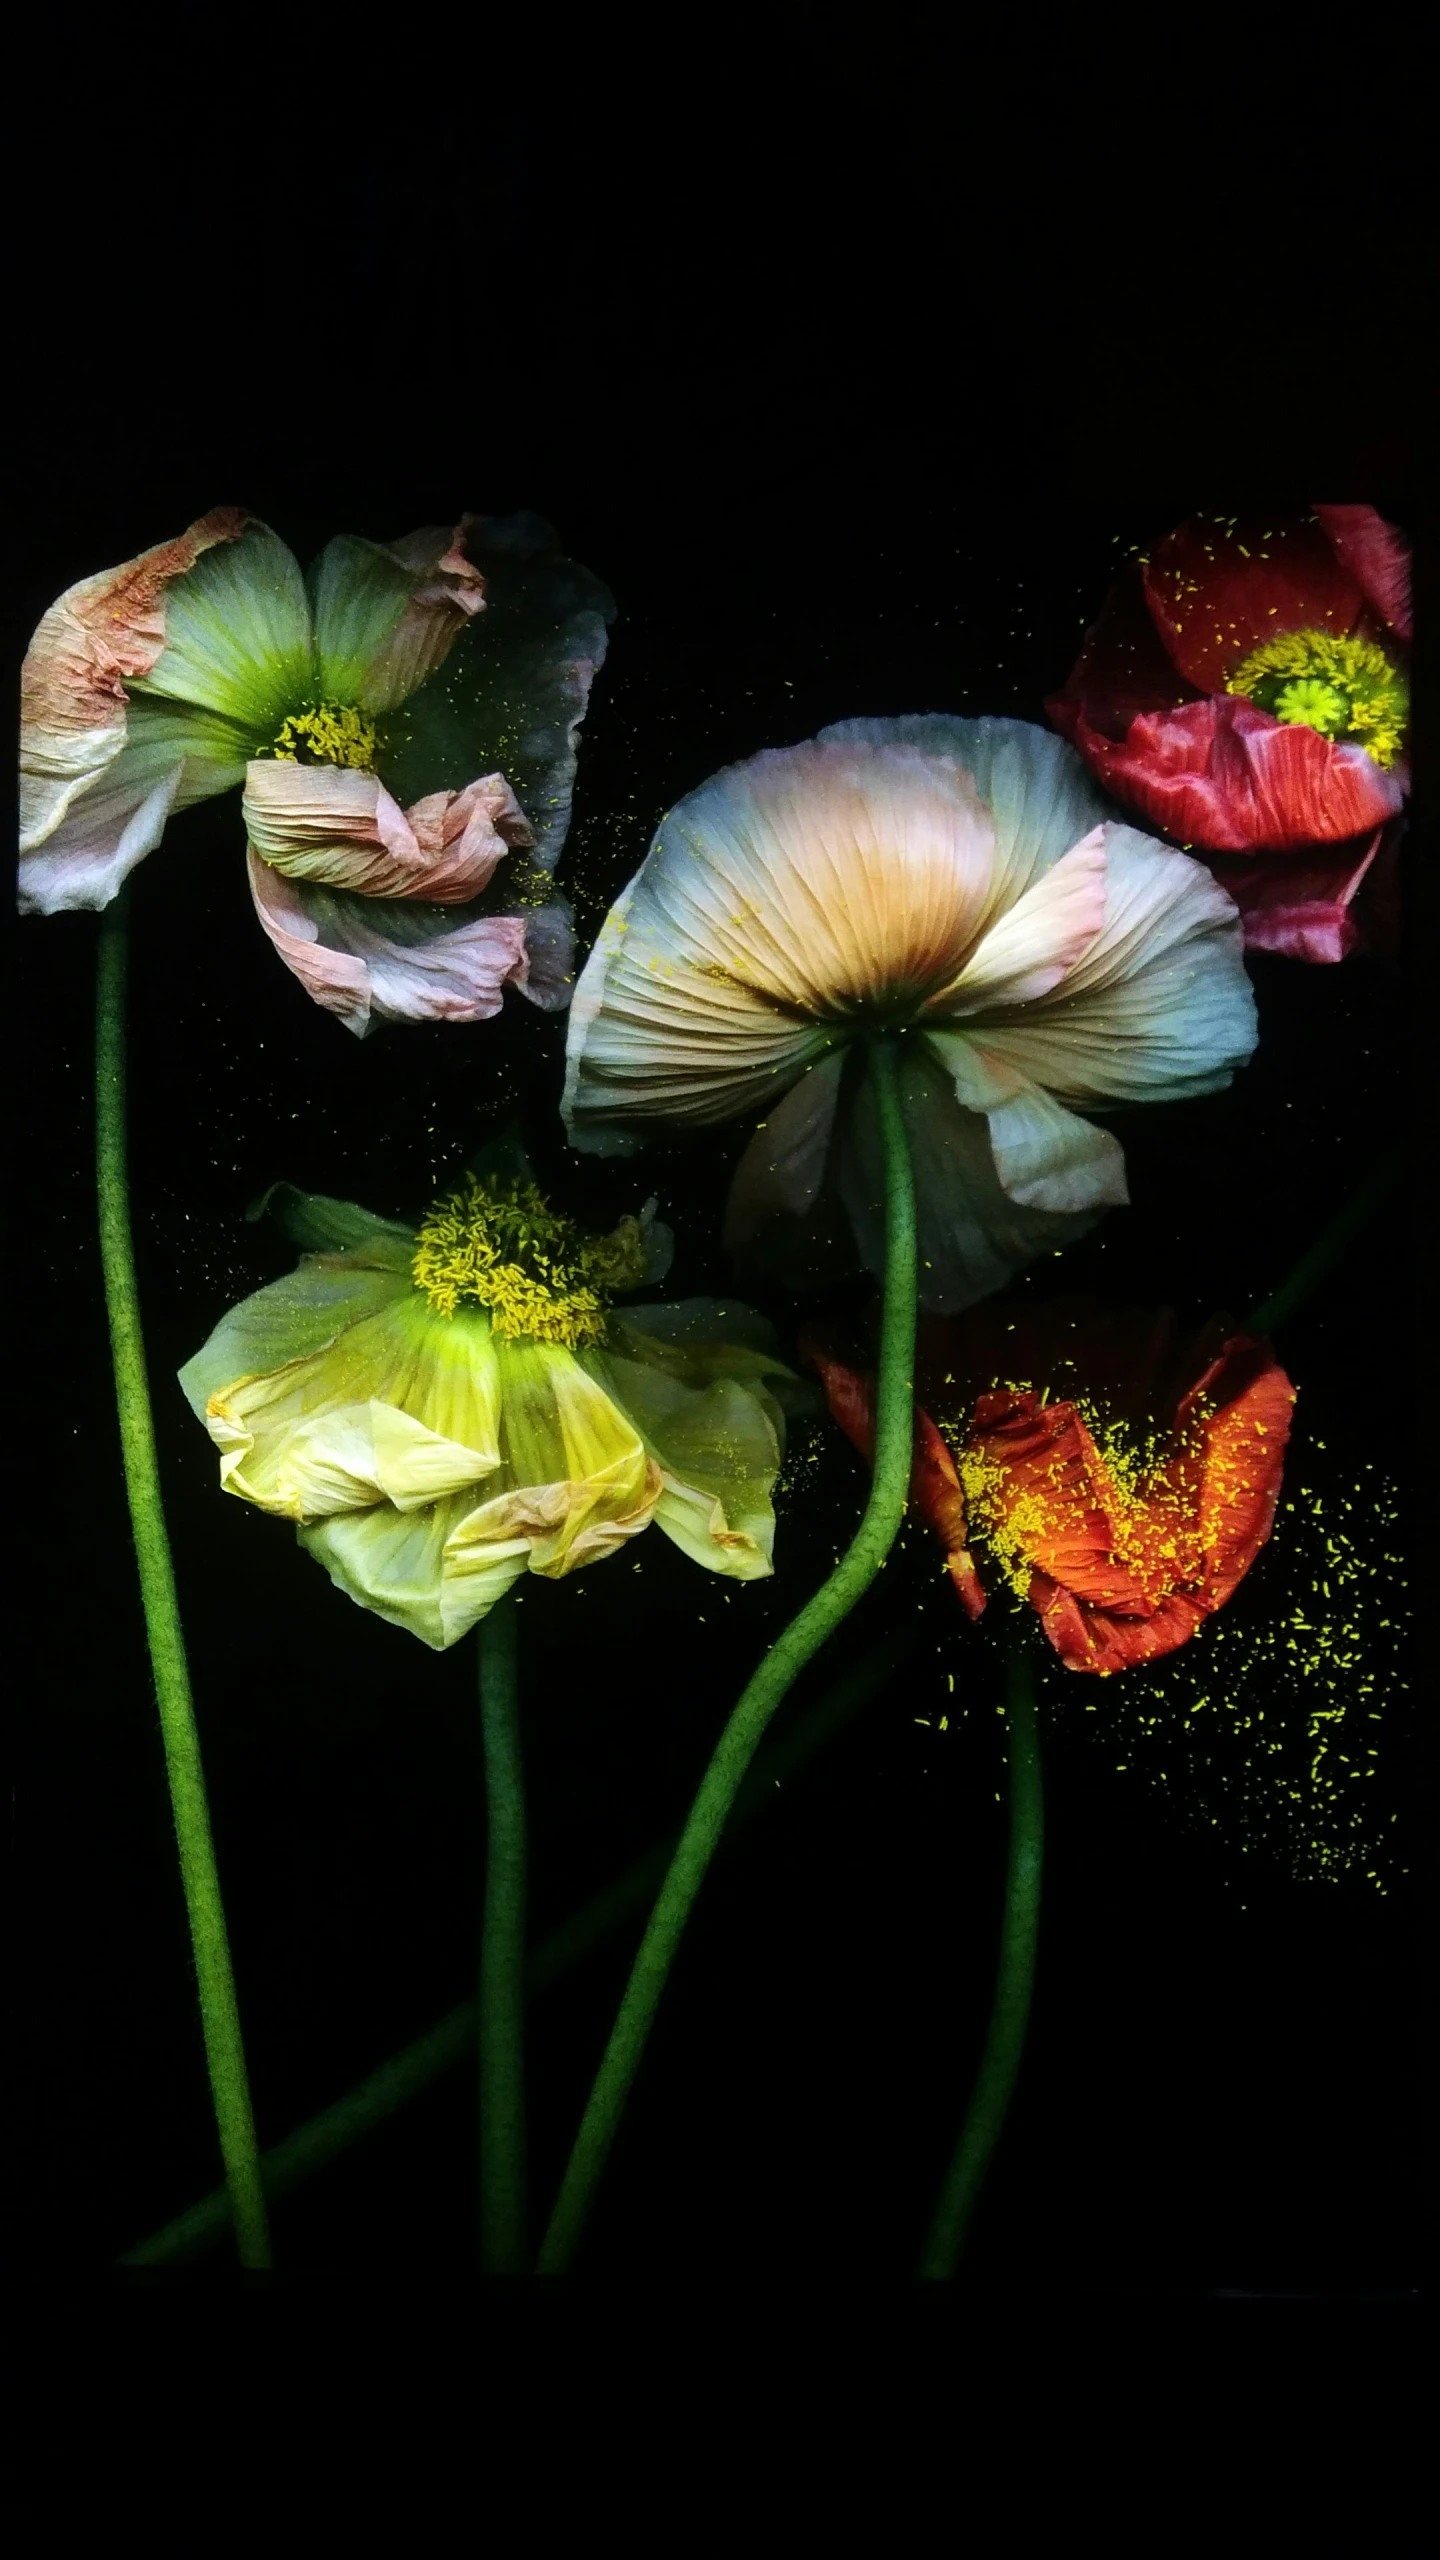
<point>537,1274</point>
<point>1343,687</point>
<point>325,733</point>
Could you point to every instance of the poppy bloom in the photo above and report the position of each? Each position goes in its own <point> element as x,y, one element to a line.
<point>957,883</point>
<point>448,671</point>
<point>1120,1488</point>
<point>444,1408</point>
<point>1244,691</point>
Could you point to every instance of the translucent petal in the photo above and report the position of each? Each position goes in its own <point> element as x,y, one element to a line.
<point>237,635</point>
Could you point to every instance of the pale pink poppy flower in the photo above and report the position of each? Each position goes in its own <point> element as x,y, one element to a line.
<point>454,664</point>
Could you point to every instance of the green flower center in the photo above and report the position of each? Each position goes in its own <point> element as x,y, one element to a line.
<point>1343,687</point>
<point>325,733</point>
<point>536,1273</point>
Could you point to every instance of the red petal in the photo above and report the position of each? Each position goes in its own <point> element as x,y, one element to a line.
<point>1056,1479</point>
<point>1377,557</point>
<point>1301,904</point>
<point>1242,1459</point>
<point>1223,776</point>
<point>1122,668</point>
<point>935,1489</point>
<point>1218,586</point>
<point>1089,1640</point>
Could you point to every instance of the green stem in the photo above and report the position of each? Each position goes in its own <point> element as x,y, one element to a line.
<point>410,2073</point>
<point>219,2013</point>
<point>856,1570</point>
<point>502,1953</point>
<point>1005,2041</point>
<point>1349,1222</point>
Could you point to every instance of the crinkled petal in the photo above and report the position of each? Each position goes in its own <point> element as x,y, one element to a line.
<point>97,639</point>
<point>237,635</point>
<point>1045,1157</point>
<point>513,690</point>
<point>574,1480</point>
<point>401,1405</point>
<point>1037,942</point>
<point>291,1320</point>
<point>172,757</point>
<point>414,1568</point>
<point>341,829</point>
<point>1223,775</point>
<point>1220,585</point>
<point>718,1451</point>
<point>396,959</point>
<point>972,1236</point>
<point>1377,557</point>
<point>387,615</point>
<point>1301,905</point>
<point>1159,1008</point>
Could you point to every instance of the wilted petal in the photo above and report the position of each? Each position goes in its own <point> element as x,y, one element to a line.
<point>296,1317</point>
<point>340,827</point>
<point>513,690</point>
<point>1377,557</point>
<point>1158,1009</point>
<point>780,1173</point>
<point>413,1568</point>
<point>717,1448</point>
<point>387,615</point>
<point>574,1480</point>
<point>97,639</point>
<point>1301,905</point>
<point>172,757</point>
<point>237,635</point>
<point>399,959</point>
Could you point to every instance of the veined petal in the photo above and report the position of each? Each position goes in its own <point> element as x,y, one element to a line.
<point>780,1173</point>
<point>718,1451</point>
<point>574,1481</point>
<point>972,1236</point>
<point>1041,800</point>
<point>341,828</point>
<point>1226,776</point>
<point>513,690</point>
<point>1037,942</point>
<point>100,636</point>
<point>1376,556</point>
<point>1301,904</point>
<point>237,635</point>
<point>412,1568</point>
<point>1045,1157</point>
<point>401,1406</point>
<point>291,1320</point>
<point>387,614</point>
<point>1159,1007</point>
<point>1217,587</point>
<point>172,757</point>
<point>397,959</point>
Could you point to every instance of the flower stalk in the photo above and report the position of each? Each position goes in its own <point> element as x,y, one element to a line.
<point>502,1953</point>
<point>199,1876</point>
<point>786,1658</point>
<point>1009,2017</point>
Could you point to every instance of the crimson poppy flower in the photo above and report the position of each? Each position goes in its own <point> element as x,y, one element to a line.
<point>1244,690</point>
<point>1119,1484</point>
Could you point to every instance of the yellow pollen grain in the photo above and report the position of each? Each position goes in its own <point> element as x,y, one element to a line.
<point>326,733</point>
<point>1342,687</point>
<point>538,1275</point>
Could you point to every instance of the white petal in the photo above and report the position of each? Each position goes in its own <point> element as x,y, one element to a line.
<point>780,1173</point>
<point>1038,941</point>
<point>1041,797</point>
<point>1045,1157</point>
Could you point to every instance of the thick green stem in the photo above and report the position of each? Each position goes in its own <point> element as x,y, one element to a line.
<point>1005,2042</point>
<point>894,1442</point>
<point>219,2013</point>
<point>409,2074</point>
<point>502,1954</point>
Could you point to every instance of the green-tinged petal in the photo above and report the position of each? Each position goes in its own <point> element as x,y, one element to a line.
<point>323,1225</point>
<point>696,1340</point>
<point>172,756</point>
<point>237,636</point>
<point>1045,1157</point>
<point>401,1406</point>
<point>290,1320</point>
<point>972,1235</point>
<point>1159,1008</point>
<point>512,692</point>
<point>407,1566</point>
<point>574,1479</point>
<point>718,1448</point>
<point>387,616</point>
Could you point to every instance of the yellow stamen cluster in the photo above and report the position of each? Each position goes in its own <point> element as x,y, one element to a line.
<point>1345,688</point>
<point>326,733</point>
<point>536,1273</point>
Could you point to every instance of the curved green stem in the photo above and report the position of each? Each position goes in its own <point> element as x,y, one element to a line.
<point>502,1954</point>
<point>1005,2041</point>
<point>894,1443</point>
<point>219,2013</point>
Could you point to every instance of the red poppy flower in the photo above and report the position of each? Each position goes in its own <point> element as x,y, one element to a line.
<point>1244,691</point>
<point>1125,1508</point>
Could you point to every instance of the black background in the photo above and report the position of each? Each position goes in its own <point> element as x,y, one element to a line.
<point>853,393</point>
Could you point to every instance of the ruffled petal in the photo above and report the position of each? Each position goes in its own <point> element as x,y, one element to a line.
<point>513,690</point>
<point>717,1448</point>
<point>341,829</point>
<point>98,638</point>
<point>1044,1156</point>
<point>395,959</point>
<point>237,635</point>
<point>1377,557</point>
<point>414,1568</point>
<point>1159,1008</point>
<point>1041,801</point>
<point>1301,905</point>
<point>1037,942</point>
<point>387,615</point>
<point>172,757</point>
<point>401,1405</point>
<point>1223,775</point>
<point>574,1480</point>
<point>1220,585</point>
